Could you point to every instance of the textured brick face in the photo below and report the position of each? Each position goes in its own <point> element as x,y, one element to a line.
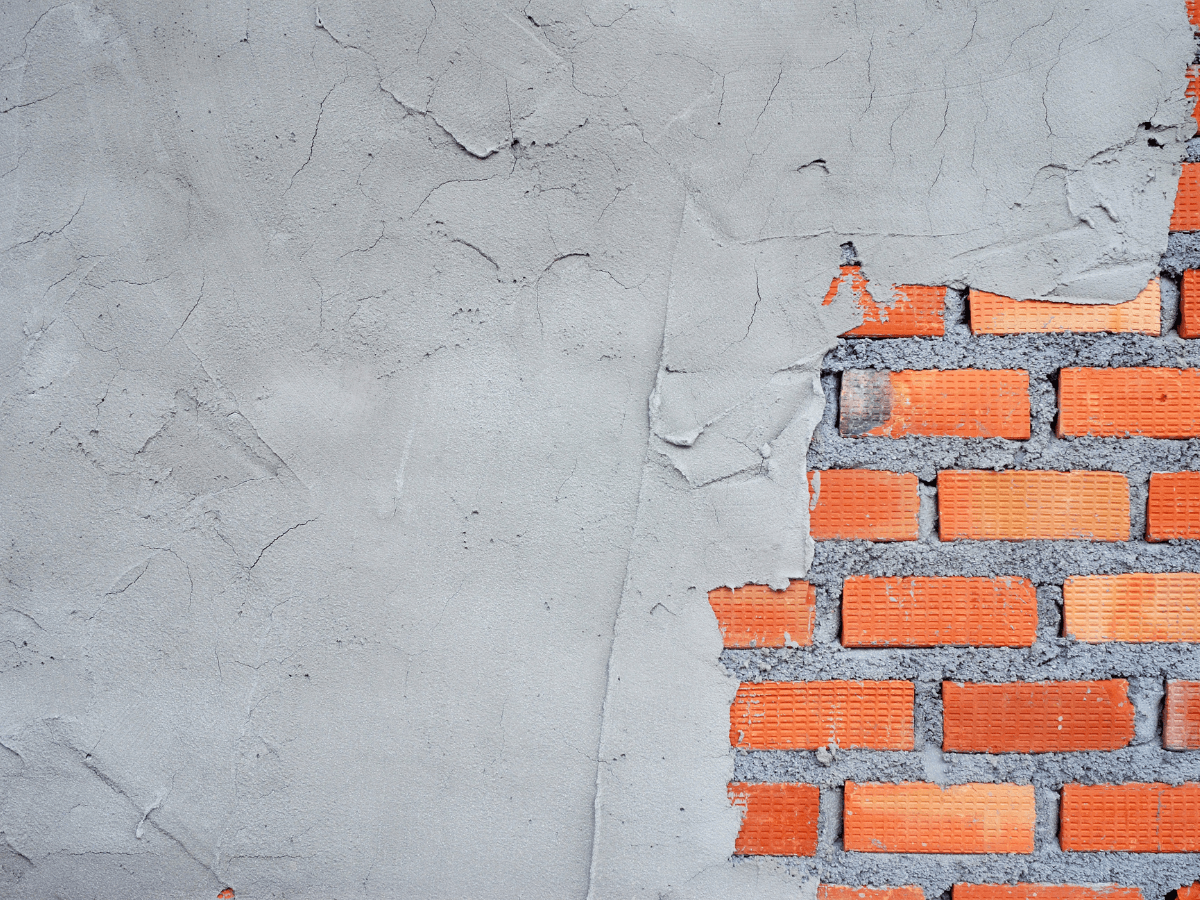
<point>779,819</point>
<point>1042,717</point>
<point>1173,510</point>
<point>806,715</point>
<point>1181,716</point>
<point>994,314</point>
<point>1145,402</point>
<point>927,818</point>
<point>857,504</point>
<point>1023,506</point>
<point>1135,606</point>
<point>1043,892</point>
<point>1186,216</point>
<point>915,311</point>
<point>838,892</point>
<point>756,616</point>
<point>1189,304</point>
<point>928,612</point>
<point>1138,818</point>
<point>956,403</point>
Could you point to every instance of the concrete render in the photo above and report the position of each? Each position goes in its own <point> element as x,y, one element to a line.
<point>385,385</point>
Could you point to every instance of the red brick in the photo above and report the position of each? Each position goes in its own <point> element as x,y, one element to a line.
<point>1023,506</point>
<point>1146,402</point>
<point>1191,891</point>
<point>779,820</point>
<point>857,504</point>
<point>1193,11</point>
<point>915,311</point>
<point>1044,892</point>
<point>1137,818</point>
<point>1186,216</point>
<point>756,616</point>
<point>928,612</point>
<point>969,403</point>
<point>1036,717</point>
<point>838,892</point>
<point>1181,716</point>
<point>1173,510</point>
<point>1135,606</point>
<point>1189,304</point>
<point>995,314</point>
<point>1192,91</point>
<point>806,715</point>
<point>928,818</point>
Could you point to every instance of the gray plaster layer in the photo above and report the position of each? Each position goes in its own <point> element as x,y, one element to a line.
<point>368,367</point>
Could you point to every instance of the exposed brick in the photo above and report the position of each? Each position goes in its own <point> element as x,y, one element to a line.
<point>779,820</point>
<point>1044,892</point>
<point>806,715</point>
<point>969,403</point>
<point>1138,818</point>
<point>1186,216</point>
<point>1181,716</point>
<point>915,311</point>
<point>1134,606</point>
<point>1193,11</point>
<point>996,314</point>
<point>1146,402</point>
<point>1036,717</point>
<point>1173,510</point>
<point>1022,506</point>
<point>839,892</point>
<point>1190,891</point>
<point>756,616</point>
<point>1192,91</point>
<point>1189,304</point>
<point>858,504</point>
<point>928,818</point>
<point>928,612</point>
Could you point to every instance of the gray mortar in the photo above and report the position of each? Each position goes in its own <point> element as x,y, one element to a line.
<point>1051,658</point>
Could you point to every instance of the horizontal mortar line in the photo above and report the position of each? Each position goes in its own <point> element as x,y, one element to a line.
<point>809,772</point>
<point>1075,449</point>
<point>1109,347</point>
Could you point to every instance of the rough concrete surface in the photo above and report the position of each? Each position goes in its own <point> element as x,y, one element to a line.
<point>384,385</point>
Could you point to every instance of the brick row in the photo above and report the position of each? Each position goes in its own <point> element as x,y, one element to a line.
<point>913,310</point>
<point>1144,402</point>
<point>756,616</point>
<point>807,715</point>
<point>1044,892</point>
<point>995,314</point>
<point>1136,818</point>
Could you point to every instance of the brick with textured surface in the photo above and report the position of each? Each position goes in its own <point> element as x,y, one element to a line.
<point>859,504</point>
<point>915,310</point>
<point>928,612</point>
<point>1022,506</point>
<point>928,818</point>
<point>756,616</point>
<point>1181,716</point>
<point>1137,818</point>
<point>1189,304</point>
<point>779,819</point>
<point>840,892</point>
<point>806,715</point>
<point>1143,402</point>
<point>1188,892</point>
<point>969,403</point>
<point>1036,717</point>
<point>1134,606</point>
<point>1186,216</point>
<point>1045,892</point>
<point>995,314</point>
<point>1173,510</point>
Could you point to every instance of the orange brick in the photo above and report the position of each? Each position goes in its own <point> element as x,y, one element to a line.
<point>1193,11</point>
<point>756,616</point>
<point>1036,717</point>
<point>1193,91</point>
<point>1023,506</point>
<point>838,892</point>
<point>1186,216</point>
<point>1181,716</point>
<point>957,403</point>
<point>928,818</point>
<point>1146,402</point>
<point>1189,304</point>
<point>1137,818</point>
<point>1044,892</point>
<point>857,504</point>
<point>1135,606</point>
<point>1188,892</point>
<point>928,612</point>
<point>995,314</point>
<point>916,310</point>
<point>1174,507</point>
<point>779,820</point>
<point>806,715</point>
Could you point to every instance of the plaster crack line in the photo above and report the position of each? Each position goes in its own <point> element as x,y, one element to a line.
<point>274,539</point>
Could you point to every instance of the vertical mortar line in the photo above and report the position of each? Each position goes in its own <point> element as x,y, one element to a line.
<point>1169,292</point>
<point>1139,496</point>
<point>1050,612</point>
<point>1046,801</point>
<point>1147,693</point>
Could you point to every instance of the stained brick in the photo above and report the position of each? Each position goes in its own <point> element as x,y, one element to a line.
<point>1189,304</point>
<point>1173,510</point>
<point>806,715</point>
<point>839,892</point>
<point>996,314</point>
<point>1134,606</point>
<point>1036,717</point>
<point>1044,892</point>
<point>858,504</point>
<point>1186,216</point>
<point>928,818</point>
<point>756,616</point>
<point>1181,716</point>
<point>1188,892</point>
<point>779,820</point>
<point>1138,818</point>
<point>1021,506</point>
<point>915,311</point>
<point>969,403</point>
<point>1147,402</point>
<point>928,612</point>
